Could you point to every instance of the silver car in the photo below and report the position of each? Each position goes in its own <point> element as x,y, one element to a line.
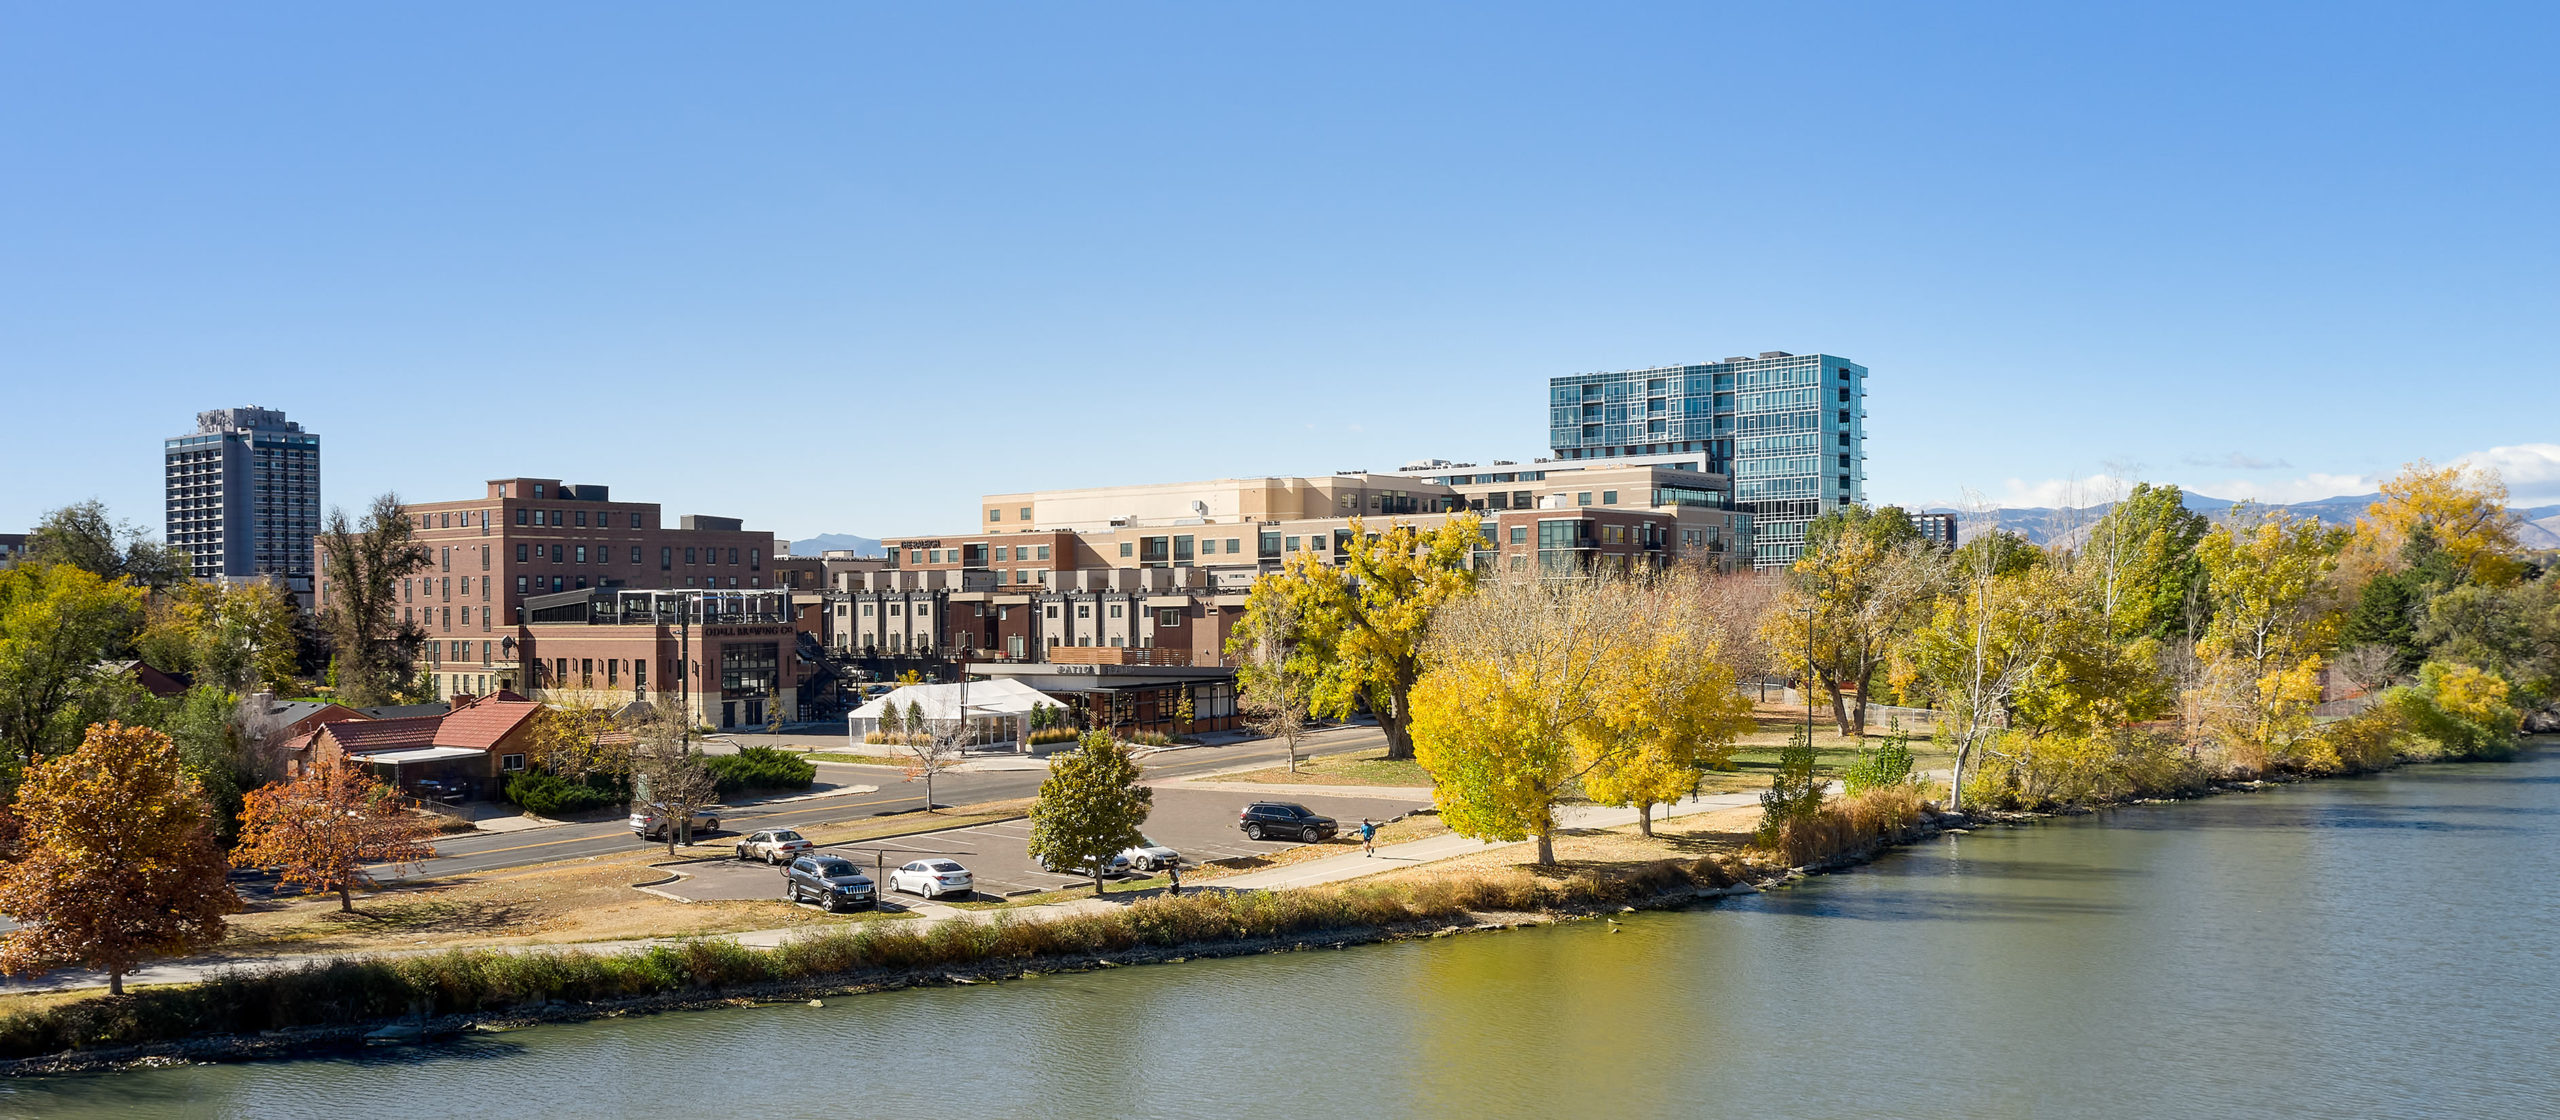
<point>1148,855</point>
<point>647,826</point>
<point>932,878</point>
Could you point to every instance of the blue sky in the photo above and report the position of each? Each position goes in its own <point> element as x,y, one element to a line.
<point>839,268</point>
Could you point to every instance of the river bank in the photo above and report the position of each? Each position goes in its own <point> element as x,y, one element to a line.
<point>450,994</point>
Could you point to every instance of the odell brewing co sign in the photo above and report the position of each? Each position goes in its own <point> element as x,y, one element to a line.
<point>917,544</point>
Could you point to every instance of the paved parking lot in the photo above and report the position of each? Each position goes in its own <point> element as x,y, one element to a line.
<point>1199,823</point>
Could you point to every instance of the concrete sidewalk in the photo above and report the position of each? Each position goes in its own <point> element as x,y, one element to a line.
<point>1281,791</point>
<point>1414,853</point>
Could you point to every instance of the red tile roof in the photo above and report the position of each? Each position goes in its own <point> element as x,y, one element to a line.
<point>365,736</point>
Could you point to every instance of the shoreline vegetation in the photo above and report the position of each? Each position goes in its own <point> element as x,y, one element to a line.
<point>321,1008</point>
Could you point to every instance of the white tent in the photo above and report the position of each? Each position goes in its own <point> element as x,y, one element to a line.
<point>999,709</point>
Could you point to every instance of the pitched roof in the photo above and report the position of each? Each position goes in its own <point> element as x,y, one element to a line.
<point>364,736</point>
<point>481,723</point>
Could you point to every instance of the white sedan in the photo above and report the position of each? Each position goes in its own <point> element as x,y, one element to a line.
<point>1148,855</point>
<point>931,879</point>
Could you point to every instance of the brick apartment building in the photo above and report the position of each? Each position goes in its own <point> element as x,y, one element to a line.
<point>529,537</point>
<point>1166,568</point>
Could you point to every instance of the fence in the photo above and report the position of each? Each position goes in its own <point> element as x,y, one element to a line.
<point>1918,721</point>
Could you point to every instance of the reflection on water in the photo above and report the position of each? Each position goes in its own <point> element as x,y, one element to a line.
<point>2373,947</point>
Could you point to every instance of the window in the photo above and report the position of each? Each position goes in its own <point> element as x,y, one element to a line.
<point>1519,534</point>
<point>520,515</point>
<point>1182,550</point>
<point>1053,613</point>
<point>555,553</point>
<point>510,762</point>
<point>639,674</point>
<point>733,556</point>
<point>1582,499</point>
<point>484,562</point>
<point>635,555</point>
<point>444,559</point>
<point>688,557</point>
<point>755,559</point>
<point>1293,544</point>
<point>1844,394</point>
<point>995,515</point>
<point>866,610</point>
<point>558,584</point>
<point>1519,561</point>
<point>519,585</point>
<point>923,609</point>
<point>1044,552</point>
<point>915,556</point>
<point>1844,440</point>
<point>520,553</point>
<point>1124,548</point>
<point>934,555</point>
<point>582,554</point>
<point>582,519</point>
<point>1608,497</point>
<point>1084,610</point>
<point>1026,513</point>
<point>1234,545</point>
<point>1269,545</point>
<point>666,558</point>
<point>1168,616</point>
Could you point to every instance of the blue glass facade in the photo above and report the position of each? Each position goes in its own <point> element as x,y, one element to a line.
<point>1789,428</point>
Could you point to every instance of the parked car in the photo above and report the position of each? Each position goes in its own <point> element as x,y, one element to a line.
<point>876,691</point>
<point>833,882</point>
<point>647,826</point>
<point>1148,855</point>
<point>932,878</point>
<point>1117,865</point>
<point>444,790</point>
<point>1282,819</point>
<point>773,845</point>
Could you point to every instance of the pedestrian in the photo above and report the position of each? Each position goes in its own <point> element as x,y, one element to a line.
<point>1176,871</point>
<point>1368,837</point>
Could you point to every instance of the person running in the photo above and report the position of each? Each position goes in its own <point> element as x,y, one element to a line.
<point>1368,837</point>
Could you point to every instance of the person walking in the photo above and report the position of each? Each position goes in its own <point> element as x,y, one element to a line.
<point>1368,837</point>
<point>1176,871</point>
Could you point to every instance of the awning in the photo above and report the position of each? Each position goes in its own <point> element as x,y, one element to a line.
<point>423,754</point>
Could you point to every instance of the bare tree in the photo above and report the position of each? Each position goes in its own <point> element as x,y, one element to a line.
<point>943,742</point>
<point>671,781</point>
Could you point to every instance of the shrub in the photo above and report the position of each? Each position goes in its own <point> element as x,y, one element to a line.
<point>1887,765</point>
<point>2369,740</point>
<point>2059,770</point>
<point>1851,824</point>
<point>545,794</point>
<point>1148,738</point>
<point>1047,735</point>
<point>1794,791</point>
<point>760,768</point>
<point>2468,712</point>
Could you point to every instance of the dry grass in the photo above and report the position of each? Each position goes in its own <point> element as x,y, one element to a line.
<point>1847,825</point>
<point>861,759</point>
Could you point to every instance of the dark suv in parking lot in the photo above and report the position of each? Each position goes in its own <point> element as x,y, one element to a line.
<point>1281,819</point>
<point>833,882</point>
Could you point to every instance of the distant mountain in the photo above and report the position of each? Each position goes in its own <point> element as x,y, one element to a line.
<point>833,542</point>
<point>2070,526</point>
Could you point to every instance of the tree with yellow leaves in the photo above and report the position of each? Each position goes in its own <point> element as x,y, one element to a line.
<point>1866,578</point>
<point>239,637</point>
<point>2274,614</point>
<point>120,860</point>
<point>1358,622</point>
<point>2466,511</point>
<point>1669,707</point>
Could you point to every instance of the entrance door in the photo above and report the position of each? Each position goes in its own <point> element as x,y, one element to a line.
<point>728,713</point>
<point>755,713</point>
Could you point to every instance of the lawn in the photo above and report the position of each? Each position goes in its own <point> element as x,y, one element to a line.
<point>1358,768</point>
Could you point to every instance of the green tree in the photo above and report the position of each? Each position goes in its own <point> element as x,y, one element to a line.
<point>2273,616</point>
<point>361,567</point>
<point>1360,620</point>
<point>120,861</point>
<point>1795,791</point>
<point>83,536</point>
<point>240,637</point>
<point>1986,639</point>
<point>57,621</point>
<point>2141,561</point>
<point>1090,807</point>
<point>1275,688</point>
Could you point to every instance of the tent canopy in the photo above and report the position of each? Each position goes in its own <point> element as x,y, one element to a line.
<point>987,698</point>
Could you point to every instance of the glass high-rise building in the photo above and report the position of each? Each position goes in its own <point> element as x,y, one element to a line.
<point>1789,428</point>
<point>244,495</point>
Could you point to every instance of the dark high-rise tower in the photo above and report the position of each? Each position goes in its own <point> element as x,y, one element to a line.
<point>244,495</point>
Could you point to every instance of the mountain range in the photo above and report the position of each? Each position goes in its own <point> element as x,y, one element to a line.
<point>829,542</point>
<point>2069,525</point>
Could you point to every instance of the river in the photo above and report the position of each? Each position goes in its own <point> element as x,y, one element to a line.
<point>2385,946</point>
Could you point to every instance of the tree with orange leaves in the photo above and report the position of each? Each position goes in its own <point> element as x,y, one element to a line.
<point>120,862</point>
<point>321,829</point>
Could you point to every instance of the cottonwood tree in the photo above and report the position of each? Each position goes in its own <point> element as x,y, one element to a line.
<point>2466,512</point>
<point>2141,561</point>
<point>1360,620</point>
<point>1512,697</point>
<point>1274,687</point>
<point>1090,807</point>
<point>1984,640</point>
<point>83,536</point>
<point>669,780</point>
<point>1671,706</point>
<point>56,622</point>
<point>361,567</point>
<point>322,829</point>
<point>574,737</point>
<point>1864,580</point>
<point>2273,615</point>
<point>120,863</point>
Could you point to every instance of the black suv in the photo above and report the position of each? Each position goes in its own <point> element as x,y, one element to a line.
<point>1280,819</point>
<point>833,882</point>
